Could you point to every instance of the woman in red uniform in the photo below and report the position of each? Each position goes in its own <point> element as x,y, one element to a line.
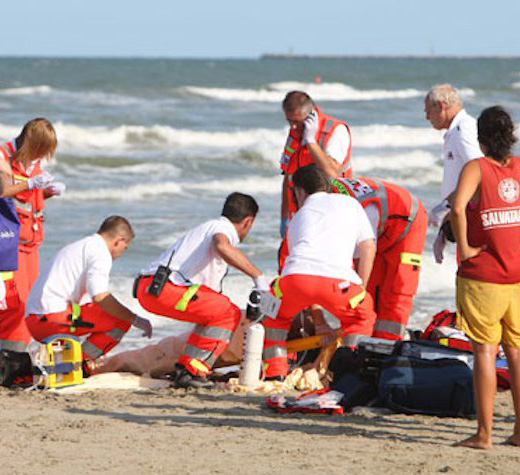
<point>30,186</point>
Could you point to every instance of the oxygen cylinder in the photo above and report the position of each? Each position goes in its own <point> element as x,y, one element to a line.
<point>252,359</point>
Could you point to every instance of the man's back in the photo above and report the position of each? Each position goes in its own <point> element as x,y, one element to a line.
<point>323,235</point>
<point>80,268</point>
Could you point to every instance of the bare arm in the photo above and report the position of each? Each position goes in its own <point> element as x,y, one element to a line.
<point>234,257</point>
<point>469,182</point>
<point>112,306</point>
<point>367,253</point>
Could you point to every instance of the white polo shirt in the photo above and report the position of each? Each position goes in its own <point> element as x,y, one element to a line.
<point>76,273</point>
<point>338,144</point>
<point>460,146</point>
<point>195,260</point>
<point>323,235</point>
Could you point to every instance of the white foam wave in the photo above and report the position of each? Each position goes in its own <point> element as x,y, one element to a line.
<point>128,193</point>
<point>516,85</point>
<point>41,90</point>
<point>124,137</point>
<point>402,162</point>
<point>275,92</point>
<point>379,135</point>
<point>248,184</point>
<point>83,98</point>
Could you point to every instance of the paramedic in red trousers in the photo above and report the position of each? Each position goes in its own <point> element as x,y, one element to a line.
<point>313,138</point>
<point>12,331</point>
<point>322,237</point>
<point>399,221</point>
<point>444,110</point>
<point>192,293</point>
<point>71,294</point>
<point>486,223</point>
<point>29,187</point>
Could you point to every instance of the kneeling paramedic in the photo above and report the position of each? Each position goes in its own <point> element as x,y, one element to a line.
<point>185,284</point>
<point>399,221</point>
<point>71,295</point>
<point>321,238</point>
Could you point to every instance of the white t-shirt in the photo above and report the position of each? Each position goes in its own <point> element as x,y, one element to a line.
<point>323,235</point>
<point>460,146</point>
<point>76,273</point>
<point>195,260</point>
<point>338,144</point>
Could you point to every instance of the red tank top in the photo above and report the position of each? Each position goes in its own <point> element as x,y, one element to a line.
<point>495,221</point>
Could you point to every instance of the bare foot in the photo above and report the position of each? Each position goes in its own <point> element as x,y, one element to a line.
<point>513,440</point>
<point>474,442</point>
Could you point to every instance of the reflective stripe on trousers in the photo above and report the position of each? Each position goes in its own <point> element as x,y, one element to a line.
<point>387,326</point>
<point>272,351</point>
<point>13,345</point>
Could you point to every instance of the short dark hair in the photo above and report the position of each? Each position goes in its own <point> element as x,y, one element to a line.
<point>239,206</point>
<point>312,179</point>
<point>496,132</point>
<point>117,226</point>
<point>297,101</point>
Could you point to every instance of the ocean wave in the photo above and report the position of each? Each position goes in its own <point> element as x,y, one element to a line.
<point>275,92</point>
<point>41,90</point>
<point>82,98</point>
<point>127,193</point>
<point>379,135</point>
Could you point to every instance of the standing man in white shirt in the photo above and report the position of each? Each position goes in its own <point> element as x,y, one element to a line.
<point>313,138</point>
<point>71,295</point>
<point>443,108</point>
<point>322,238</point>
<point>184,283</point>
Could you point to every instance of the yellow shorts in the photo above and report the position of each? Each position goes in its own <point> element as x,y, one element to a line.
<point>489,313</point>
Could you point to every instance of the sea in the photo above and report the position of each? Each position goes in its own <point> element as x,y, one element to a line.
<point>164,141</point>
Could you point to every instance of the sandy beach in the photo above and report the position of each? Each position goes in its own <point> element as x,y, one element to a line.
<point>171,431</point>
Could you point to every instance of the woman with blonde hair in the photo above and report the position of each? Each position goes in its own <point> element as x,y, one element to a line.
<point>28,187</point>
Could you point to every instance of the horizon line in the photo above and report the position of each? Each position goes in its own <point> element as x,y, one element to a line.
<point>267,56</point>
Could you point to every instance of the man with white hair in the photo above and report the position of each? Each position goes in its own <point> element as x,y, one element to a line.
<point>444,109</point>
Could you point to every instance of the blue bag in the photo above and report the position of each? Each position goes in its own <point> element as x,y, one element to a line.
<point>441,386</point>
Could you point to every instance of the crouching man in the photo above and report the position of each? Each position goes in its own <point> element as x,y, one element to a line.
<point>322,237</point>
<point>185,284</point>
<point>71,295</point>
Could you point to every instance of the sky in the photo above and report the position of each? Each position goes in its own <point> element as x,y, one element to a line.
<point>245,29</point>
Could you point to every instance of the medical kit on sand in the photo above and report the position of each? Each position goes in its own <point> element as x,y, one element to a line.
<point>411,377</point>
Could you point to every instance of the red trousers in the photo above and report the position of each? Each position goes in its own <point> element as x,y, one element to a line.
<point>104,334</point>
<point>14,334</point>
<point>216,319</point>
<point>394,280</point>
<point>28,270</point>
<point>352,306</point>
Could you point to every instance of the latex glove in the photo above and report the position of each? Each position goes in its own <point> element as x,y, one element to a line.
<point>438,247</point>
<point>437,214</point>
<point>3,302</point>
<point>41,181</point>
<point>261,283</point>
<point>310,128</point>
<point>56,188</point>
<point>143,324</point>
<point>283,226</point>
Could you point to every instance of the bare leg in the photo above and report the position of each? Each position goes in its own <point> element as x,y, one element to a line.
<point>484,385</point>
<point>513,361</point>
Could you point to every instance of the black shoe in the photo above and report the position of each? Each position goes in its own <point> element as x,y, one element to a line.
<point>13,365</point>
<point>182,378</point>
